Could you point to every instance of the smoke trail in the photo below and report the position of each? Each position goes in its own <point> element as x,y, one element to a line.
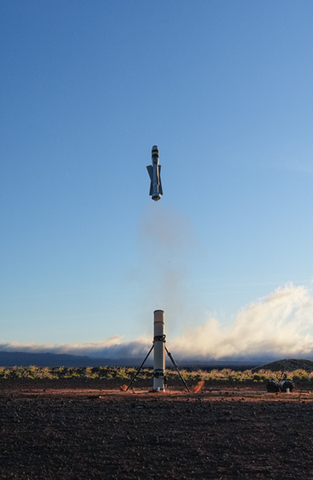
<point>280,324</point>
<point>165,231</point>
<point>166,244</point>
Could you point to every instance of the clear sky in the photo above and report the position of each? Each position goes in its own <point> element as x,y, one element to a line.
<point>225,89</point>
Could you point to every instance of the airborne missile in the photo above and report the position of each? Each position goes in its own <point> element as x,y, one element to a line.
<point>154,171</point>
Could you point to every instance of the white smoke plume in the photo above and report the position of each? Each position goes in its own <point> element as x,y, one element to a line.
<point>278,325</point>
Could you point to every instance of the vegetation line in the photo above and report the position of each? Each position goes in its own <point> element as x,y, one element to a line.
<point>125,374</point>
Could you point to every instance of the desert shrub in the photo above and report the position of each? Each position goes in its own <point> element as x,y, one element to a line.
<point>91,372</point>
<point>197,376</point>
<point>124,374</point>
<point>102,372</point>
<point>262,375</point>
<point>131,372</point>
<point>299,375</point>
<point>187,375</point>
<point>31,372</point>
<point>14,372</point>
<point>246,375</point>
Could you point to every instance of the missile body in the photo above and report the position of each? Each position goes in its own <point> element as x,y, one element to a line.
<point>154,171</point>
<point>159,351</point>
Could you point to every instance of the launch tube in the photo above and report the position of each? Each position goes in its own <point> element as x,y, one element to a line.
<point>159,351</point>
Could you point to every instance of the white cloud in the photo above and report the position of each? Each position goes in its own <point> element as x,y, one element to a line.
<point>280,324</point>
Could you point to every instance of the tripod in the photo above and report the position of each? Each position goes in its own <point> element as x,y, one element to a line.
<point>172,360</point>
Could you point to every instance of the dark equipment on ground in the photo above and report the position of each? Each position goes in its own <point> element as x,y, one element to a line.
<point>284,384</point>
<point>272,386</point>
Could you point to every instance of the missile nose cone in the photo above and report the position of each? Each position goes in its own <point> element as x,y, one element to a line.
<point>155,151</point>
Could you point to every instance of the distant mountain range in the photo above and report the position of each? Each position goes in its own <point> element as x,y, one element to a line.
<point>24,359</point>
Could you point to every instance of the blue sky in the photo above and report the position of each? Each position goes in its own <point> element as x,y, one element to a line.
<point>86,88</point>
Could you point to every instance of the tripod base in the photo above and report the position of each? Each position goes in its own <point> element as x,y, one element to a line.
<point>158,375</point>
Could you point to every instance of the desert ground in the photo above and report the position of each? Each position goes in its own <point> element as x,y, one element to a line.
<point>86,430</point>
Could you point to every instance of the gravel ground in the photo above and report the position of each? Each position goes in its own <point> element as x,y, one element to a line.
<point>88,432</point>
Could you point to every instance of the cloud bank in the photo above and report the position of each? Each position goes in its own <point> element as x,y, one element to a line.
<point>278,325</point>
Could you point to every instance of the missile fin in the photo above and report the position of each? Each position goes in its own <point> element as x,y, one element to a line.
<point>160,184</point>
<point>150,171</point>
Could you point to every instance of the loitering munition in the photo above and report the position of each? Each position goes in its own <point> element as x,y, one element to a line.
<point>154,171</point>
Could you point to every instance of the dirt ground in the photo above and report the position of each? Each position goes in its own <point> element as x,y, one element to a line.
<point>65,430</point>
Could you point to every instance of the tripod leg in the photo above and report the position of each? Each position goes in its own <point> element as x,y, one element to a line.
<point>176,367</point>
<point>138,370</point>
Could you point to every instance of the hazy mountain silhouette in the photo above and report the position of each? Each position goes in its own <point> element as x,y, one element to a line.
<point>11,359</point>
<point>24,359</point>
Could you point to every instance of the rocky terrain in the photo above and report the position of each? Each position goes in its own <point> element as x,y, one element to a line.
<point>74,430</point>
